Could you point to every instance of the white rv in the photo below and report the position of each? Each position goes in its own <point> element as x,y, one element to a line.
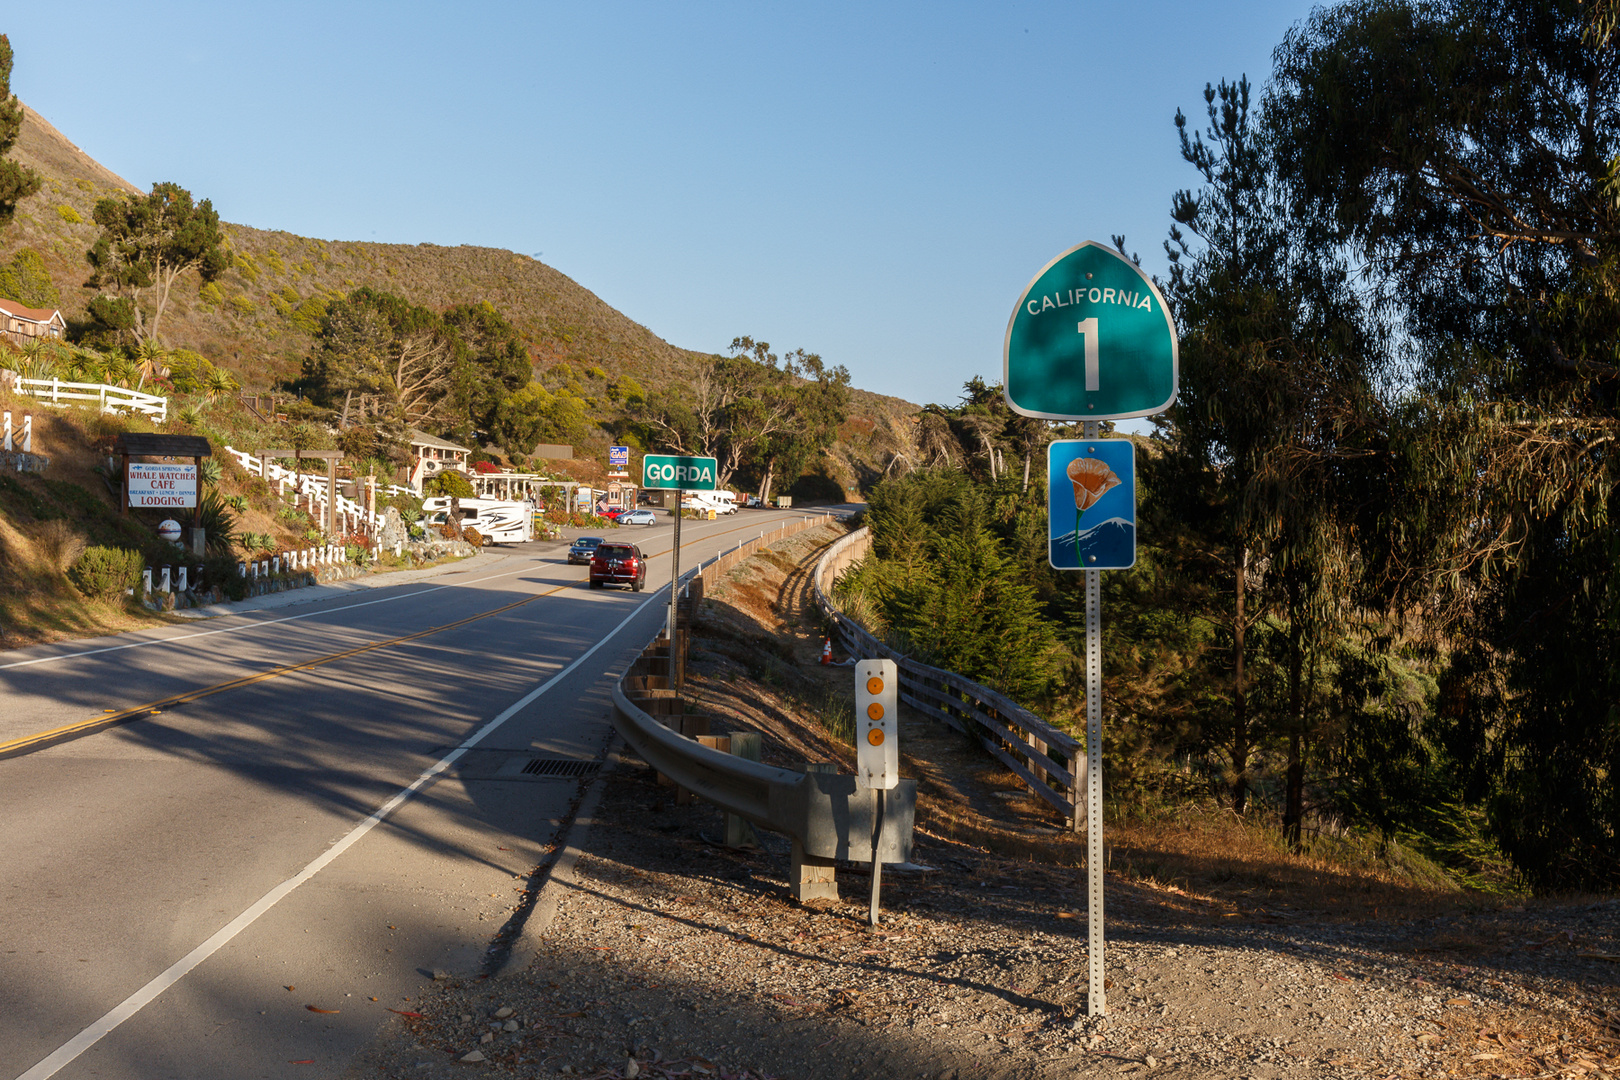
<point>498,522</point>
<point>708,500</point>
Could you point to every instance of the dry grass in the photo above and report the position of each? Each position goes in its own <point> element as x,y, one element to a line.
<point>1193,860</point>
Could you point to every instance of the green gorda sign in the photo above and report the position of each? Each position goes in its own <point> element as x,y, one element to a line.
<point>1090,339</point>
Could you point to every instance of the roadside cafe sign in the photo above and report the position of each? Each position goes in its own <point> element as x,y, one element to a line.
<point>162,485</point>
<point>1091,340</point>
<point>618,460</point>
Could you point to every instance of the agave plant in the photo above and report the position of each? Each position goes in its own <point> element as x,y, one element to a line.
<point>120,371</point>
<point>211,471</point>
<point>237,502</point>
<point>149,362</point>
<point>219,381</point>
<point>219,524</point>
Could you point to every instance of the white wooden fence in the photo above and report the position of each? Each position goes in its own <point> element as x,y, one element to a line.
<point>352,516</point>
<point>109,398</point>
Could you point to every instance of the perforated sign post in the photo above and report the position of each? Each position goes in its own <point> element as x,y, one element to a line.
<point>1091,340</point>
<point>877,747</point>
<point>672,472</point>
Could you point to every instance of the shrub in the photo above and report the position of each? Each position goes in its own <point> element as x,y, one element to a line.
<point>211,294</point>
<point>242,305</point>
<point>223,572</point>
<point>102,573</point>
<point>69,215</point>
<point>60,543</point>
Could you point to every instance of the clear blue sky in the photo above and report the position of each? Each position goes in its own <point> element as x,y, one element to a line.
<point>875,182</point>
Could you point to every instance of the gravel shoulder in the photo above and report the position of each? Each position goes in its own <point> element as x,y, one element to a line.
<point>670,954</point>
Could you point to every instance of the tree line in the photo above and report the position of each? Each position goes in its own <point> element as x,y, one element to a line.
<point>1378,576</point>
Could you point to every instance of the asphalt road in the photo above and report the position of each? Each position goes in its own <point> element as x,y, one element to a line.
<point>229,882</point>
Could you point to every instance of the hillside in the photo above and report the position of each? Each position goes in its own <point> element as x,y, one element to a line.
<point>258,320</point>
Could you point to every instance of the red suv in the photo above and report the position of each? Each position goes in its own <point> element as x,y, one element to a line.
<point>618,564</point>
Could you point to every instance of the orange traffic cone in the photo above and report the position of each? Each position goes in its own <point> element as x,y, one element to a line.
<point>826,650</point>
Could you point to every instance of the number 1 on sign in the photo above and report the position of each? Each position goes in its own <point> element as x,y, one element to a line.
<point>1088,330</point>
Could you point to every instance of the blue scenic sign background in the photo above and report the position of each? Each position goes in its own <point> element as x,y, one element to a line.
<point>1106,537</point>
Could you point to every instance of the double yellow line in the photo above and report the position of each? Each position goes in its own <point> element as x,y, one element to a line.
<point>29,743</point>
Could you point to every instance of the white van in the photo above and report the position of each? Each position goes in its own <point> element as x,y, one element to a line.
<point>708,500</point>
<point>497,521</point>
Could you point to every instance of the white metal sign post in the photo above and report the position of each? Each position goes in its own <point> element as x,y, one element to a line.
<point>1091,340</point>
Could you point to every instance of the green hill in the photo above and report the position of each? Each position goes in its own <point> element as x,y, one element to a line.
<point>259,319</point>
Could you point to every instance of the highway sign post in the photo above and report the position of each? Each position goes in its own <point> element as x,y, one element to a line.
<point>672,472</point>
<point>1091,340</point>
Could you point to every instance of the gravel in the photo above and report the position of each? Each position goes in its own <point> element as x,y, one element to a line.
<point>671,955</point>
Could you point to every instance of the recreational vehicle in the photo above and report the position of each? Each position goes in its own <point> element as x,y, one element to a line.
<point>498,522</point>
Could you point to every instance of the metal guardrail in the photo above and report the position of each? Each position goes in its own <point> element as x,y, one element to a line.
<point>1051,761</point>
<point>824,814</point>
<point>110,398</point>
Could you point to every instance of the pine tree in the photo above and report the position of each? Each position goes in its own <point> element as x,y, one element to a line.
<point>17,181</point>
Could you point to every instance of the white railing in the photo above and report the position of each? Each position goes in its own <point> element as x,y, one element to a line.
<point>109,398</point>
<point>352,516</point>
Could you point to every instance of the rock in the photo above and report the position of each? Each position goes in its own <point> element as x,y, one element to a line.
<point>510,1025</point>
<point>632,1068</point>
<point>440,975</point>
<point>393,530</point>
<point>503,1012</point>
<point>466,1018</point>
<point>486,1038</point>
<point>1150,1061</point>
<point>473,1057</point>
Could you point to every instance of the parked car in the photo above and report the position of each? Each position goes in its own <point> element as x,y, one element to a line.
<point>582,549</point>
<point>754,502</point>
<point>617,563</point>
<point>612,513</point>
<point>638,517</point>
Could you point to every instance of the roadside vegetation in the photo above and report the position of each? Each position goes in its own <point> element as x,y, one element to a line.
<point>1376,547</point>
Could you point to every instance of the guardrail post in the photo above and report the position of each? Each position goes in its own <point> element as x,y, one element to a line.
<point>28,433</point>
<point>810,877</point>
<point>739,833</point>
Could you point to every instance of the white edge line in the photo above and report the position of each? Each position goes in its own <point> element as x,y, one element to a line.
<point>133,1004</point>
<point>253,625</point>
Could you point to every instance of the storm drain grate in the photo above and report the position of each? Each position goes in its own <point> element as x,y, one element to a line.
<point>560,767</point>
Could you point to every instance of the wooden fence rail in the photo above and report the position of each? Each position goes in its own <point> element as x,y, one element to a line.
<point>1050,761</point>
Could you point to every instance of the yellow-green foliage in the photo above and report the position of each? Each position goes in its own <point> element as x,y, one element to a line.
<point>272,259</point>
<point>247,267</point>
<point>308,315</point>
<point>211,294</point>
<point>69,215</point>
<point>242,305</point>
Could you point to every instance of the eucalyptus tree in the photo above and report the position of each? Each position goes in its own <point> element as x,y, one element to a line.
<point>1276,420</point>
<point>1469,152</point>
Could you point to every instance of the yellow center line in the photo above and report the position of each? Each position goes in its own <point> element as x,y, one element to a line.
<point>29,743</point>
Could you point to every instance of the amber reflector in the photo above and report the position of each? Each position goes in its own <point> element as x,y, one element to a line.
<point>875,736</point>
<point>875,711</point>
<point>874,685</point>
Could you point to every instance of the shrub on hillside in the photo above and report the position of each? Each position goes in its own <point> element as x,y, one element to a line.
<point>60,543</point>
<point>103,573</point>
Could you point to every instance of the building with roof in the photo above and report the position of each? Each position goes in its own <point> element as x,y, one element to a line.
<point>431,455</point>
<point>21,324</point>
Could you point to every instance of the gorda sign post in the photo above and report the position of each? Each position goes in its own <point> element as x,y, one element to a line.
<point>673,472</point>
<point>1091,340</point>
